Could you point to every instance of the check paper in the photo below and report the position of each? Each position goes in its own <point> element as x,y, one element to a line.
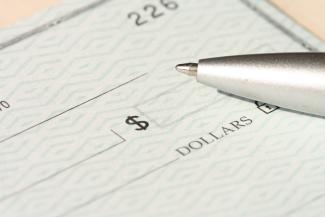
<point>96,122</point>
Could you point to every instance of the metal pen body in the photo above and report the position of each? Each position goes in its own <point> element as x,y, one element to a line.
<point>290,80</point>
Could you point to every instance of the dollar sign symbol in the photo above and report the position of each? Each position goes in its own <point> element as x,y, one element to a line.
<point>132,120</point>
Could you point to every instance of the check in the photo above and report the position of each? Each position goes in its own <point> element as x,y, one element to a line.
<point>95,121</point>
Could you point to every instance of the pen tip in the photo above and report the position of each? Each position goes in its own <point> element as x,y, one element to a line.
<point>187,68</point>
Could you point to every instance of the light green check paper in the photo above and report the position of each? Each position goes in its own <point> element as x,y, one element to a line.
<point>95,121</point>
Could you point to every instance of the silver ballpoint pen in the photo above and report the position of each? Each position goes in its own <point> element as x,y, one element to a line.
<point>294,81</point>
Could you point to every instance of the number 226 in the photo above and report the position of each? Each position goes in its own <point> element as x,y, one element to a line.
<point>153,10</point>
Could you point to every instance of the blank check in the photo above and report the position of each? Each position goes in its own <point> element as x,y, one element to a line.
<point>95,121</point>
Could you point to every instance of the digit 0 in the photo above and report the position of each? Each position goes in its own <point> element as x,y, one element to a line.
<point>4,104</point>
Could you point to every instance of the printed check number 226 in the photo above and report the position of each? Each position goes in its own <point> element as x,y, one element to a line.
<point>154,11</point>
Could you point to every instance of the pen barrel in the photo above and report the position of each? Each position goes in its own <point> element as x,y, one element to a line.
<point>290,80</point>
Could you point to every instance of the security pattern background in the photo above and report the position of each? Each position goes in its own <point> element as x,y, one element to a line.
<point>72,82</point>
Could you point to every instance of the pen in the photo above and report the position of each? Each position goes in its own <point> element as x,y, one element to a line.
<point>294,81</point>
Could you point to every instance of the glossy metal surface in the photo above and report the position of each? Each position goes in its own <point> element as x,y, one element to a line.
<point>294,80</point>
<point>187,68</point>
